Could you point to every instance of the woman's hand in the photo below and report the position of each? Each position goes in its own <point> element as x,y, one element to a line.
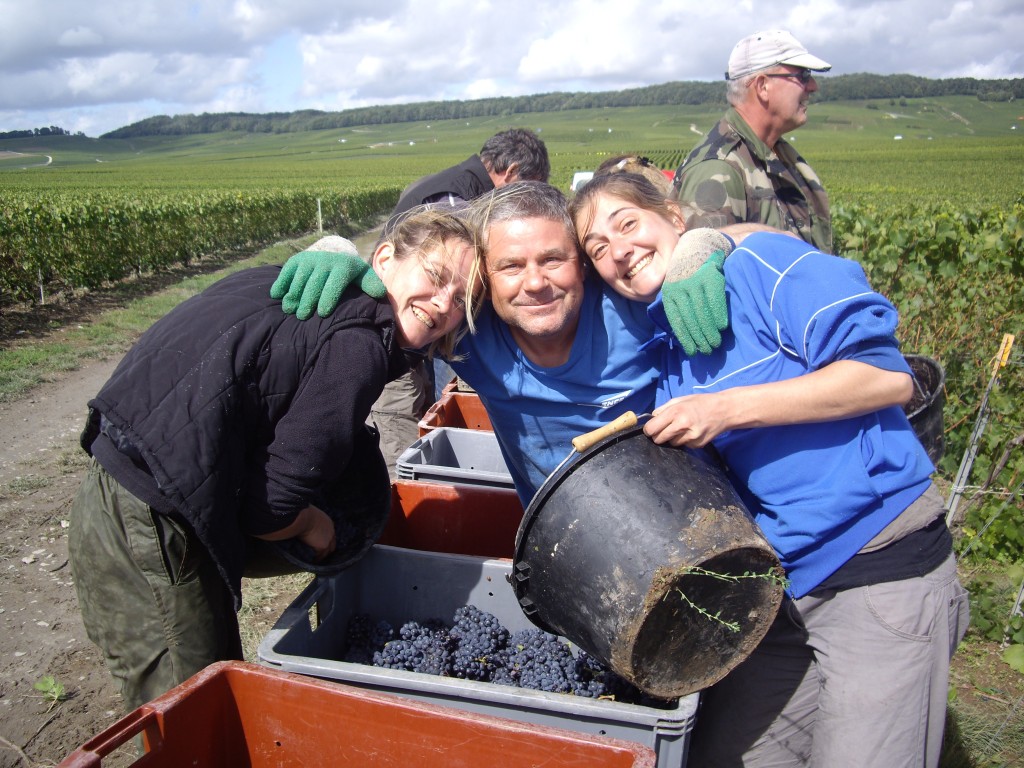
<point>313,527</point>
<point>685,421</point>
<point>319,533</point>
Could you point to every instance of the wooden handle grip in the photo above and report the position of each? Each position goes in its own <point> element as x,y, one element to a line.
<point>625,421</point>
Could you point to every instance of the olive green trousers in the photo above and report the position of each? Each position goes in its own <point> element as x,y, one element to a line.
<point>149,593</point>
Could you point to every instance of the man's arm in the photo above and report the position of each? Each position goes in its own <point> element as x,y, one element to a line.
<point>693,292</point>
<point>315,278</point>
<point>739,232</point>
<point>712,194</point>
<point>694,289</point>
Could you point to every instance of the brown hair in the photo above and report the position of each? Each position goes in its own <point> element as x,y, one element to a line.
<point>636,190</point>
<point>638,165</point>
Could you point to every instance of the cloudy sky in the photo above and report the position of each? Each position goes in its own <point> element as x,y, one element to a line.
<point>100,65</point>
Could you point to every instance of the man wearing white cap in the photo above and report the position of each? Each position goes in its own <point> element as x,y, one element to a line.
<point>744,170</point>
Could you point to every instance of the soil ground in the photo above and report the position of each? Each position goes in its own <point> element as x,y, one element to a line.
<point>41,633</point>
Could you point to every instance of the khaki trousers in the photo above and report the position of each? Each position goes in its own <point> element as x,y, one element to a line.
<point>398,411</point>
<point>854,677</point>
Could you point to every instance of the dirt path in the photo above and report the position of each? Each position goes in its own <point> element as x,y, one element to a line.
<point>41,632</point>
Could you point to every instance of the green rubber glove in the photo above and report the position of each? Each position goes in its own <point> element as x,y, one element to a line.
<point>694,290</point>
<point>315,279</point>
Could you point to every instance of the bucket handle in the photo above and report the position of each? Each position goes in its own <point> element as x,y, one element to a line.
<point>623,422</point>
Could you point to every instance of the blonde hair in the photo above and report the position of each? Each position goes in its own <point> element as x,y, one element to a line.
<point>423,228</point>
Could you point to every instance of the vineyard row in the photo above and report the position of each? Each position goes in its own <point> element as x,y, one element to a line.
<point>47,245</point>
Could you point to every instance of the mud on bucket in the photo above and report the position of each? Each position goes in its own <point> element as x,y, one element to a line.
<point>645,557</point>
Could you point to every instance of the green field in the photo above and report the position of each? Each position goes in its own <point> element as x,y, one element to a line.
<point>954,149</point>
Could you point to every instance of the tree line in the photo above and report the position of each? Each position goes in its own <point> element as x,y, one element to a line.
<point>837,88</point>
<point>28,133</point>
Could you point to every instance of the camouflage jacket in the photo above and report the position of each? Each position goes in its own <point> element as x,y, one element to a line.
<point>732,176</point>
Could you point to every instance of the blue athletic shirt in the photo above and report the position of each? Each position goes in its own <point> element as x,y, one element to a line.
<point>536,411</point>
<point>820,492</point>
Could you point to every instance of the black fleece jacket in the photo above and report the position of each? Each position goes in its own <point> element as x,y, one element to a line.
<point>243,415</point>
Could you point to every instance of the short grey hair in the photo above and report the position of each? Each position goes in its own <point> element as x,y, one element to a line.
<point>520,200</point>
<point>736,90</point>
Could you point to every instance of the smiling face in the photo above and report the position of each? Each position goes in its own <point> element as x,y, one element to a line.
<point>629,245</point>
<point>427,290</point>
<point>536,285</point>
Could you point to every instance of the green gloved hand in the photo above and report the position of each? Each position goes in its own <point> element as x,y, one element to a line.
<point>317,277</point>
<point>694,290</point>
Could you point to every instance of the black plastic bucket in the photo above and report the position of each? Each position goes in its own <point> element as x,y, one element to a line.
<point>924,410</point>
<point>644,556</point>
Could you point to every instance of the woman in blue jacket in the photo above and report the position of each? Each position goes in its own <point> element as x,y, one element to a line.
<point>802,400</point>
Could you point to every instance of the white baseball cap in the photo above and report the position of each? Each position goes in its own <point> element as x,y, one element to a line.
<point>768,49</point>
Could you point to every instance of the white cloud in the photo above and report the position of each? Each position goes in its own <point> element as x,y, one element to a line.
<point>97,63</point>
<point>79,37</point>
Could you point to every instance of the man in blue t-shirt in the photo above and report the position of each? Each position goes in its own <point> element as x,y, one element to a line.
<point>556,353</point>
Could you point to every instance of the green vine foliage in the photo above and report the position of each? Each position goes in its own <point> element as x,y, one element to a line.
<point>77,241</point>
<point>992,595</point>
<point>957,277</point>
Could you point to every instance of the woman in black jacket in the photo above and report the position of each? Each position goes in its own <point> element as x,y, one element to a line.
<point>230,424</point>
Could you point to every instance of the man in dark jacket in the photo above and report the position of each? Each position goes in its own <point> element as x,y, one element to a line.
<point>512,155</point>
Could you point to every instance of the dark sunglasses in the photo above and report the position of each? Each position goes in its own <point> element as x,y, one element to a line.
<point>804,75</point>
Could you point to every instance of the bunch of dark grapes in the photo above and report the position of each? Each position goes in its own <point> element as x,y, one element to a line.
<point>478,647</point>
<point>589,677</point>
<point>426,648</point>
<point>364,637</point>
<point>538,660</point>
<point>479,639</point>
<point>593,679</point>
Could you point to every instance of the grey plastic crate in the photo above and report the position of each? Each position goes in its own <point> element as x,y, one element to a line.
<point>453,455</point>
<point>401,585</point>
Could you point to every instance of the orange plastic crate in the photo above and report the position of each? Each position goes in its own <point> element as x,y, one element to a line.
<point>237,715</point>
<point>453,519</point>
<point>456,409</point>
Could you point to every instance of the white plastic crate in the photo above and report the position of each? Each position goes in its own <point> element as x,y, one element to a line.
<point>453,455</point>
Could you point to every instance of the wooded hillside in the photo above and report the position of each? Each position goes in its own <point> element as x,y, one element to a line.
<point>831,88</point>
